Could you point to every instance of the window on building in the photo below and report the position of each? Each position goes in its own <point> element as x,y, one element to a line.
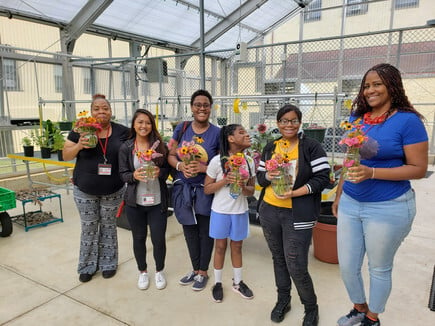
<point>11,80</point>
<point>87,81</point>
<point>356,7</point>
<point>58,82</point>
<point>313,11</point>
<point>401,4</point>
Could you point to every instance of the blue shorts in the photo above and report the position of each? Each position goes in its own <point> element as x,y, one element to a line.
<point>233,226</point>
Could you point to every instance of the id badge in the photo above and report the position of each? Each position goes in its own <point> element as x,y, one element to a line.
<point>104,169</point>
<point>148,199</point>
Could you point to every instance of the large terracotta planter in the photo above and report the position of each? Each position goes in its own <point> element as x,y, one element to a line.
<point>325,236</point>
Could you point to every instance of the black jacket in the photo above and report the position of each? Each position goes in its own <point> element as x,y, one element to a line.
<point>126,169</point>
<point>312,170</point>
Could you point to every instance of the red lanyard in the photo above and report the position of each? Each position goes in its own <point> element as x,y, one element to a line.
<point>104,148</point>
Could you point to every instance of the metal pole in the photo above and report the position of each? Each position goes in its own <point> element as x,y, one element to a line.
<point>202,56</point>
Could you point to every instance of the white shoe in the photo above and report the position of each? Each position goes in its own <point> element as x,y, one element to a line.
<point>144,282</point>
<point>160,280</point>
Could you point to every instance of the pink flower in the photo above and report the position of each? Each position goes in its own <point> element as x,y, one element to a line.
<point>271,165</point>
<point>261,128</point>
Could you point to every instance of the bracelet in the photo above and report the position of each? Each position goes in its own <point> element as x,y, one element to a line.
<point>373,173</point>
<point>177,167</point>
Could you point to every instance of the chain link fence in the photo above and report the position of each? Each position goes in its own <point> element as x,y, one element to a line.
<point>320,76</point>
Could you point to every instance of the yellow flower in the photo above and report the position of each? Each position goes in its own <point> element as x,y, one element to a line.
<point>199,139</point>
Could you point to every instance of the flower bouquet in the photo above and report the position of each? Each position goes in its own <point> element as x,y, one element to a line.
<point>145,158</point>
<point>190,151</point>
<point>260,137</point>
<point>236,164</point>
<point>353,140</point>
<point>282,182</point>
<point>89,125</point>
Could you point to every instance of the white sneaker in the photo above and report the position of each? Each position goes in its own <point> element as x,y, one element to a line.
<point>144,282</point>
<point>160,280</point>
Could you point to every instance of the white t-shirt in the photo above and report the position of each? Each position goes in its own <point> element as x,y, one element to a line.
<point>222,202</point>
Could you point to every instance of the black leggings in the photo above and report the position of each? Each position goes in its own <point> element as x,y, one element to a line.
<point>199,243</point>
<point>139,218</point>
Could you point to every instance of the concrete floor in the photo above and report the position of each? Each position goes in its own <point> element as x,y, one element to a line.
<point>39,283</point>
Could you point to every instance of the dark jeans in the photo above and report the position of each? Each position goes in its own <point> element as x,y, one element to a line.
<point>289,250</point>
<point>139,218</point>
<point>199,243</point>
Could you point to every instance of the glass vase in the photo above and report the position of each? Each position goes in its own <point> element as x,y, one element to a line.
<point>235,188</point>
<point>351,158</point>
<point>148,170</point>
<point>282,183</point>
<point>91,138</point>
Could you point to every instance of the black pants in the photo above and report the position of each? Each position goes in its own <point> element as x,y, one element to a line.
<point>139,218</point>
<point>199,243</point>
<point>289,250</point>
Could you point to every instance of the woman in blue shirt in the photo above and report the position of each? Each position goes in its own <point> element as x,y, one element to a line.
<point>376,210</point>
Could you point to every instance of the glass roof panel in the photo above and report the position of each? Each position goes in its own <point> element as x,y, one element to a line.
<point>176,22</point>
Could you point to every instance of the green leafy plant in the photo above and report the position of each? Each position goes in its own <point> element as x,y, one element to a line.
<point>58,140</point>
<point>27,141</point>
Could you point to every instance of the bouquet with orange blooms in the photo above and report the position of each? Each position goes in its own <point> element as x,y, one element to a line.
<point>89,125</point>
<point>236,164</point>
<point>148,167</point>
<point>190,151</point>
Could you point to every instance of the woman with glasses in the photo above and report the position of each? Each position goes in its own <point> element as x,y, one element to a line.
<point>287,219</point>
<point>192,207</point>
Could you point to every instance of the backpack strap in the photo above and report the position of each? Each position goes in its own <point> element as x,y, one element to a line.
<point>186,125</point>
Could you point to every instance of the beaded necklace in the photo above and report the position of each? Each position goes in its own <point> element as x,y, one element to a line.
<point>374,121</point>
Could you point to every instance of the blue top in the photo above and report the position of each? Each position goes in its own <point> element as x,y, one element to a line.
<point>210,144</point>
<point>401,129</point>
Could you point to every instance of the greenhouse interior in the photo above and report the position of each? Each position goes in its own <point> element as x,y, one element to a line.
<point>253,56</point>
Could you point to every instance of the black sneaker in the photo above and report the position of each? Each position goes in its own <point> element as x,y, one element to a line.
<point>311,317</point>
<point>109,273</point>
<point>368,322</point>
<point>217,292</point>
<point>281,308</point>
<point>85,277</point>
<point>243,290</point>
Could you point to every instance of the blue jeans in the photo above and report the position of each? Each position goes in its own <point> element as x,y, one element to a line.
<point>378,229</point>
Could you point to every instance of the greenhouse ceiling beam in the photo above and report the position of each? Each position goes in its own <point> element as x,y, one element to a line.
<point>229,22</point>
<point>84,18</point>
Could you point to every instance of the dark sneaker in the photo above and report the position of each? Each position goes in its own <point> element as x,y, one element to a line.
<point>368,322</point>
<point>354,317</point>
<point>109,273</point>
<point>200,282</point>
<point>85,277</point>
<point>278,312</point>
<point>311,317</point>
<point>187,279</point>
<point>243,290</point>
<point>217,292</point>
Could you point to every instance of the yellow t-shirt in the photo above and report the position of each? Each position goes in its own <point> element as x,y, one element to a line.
<point>269,196</point>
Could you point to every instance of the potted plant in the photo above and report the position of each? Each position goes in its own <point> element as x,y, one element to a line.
<point>28,146</point>
<point>65,125</point>
<point>43,141</point>
<point>58,143</point>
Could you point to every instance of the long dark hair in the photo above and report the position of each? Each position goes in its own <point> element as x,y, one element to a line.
<point>224,149</point>
<point>153,136</point>
<point>392,80</point>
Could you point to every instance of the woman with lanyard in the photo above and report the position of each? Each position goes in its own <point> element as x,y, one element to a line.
<point>98,191</point>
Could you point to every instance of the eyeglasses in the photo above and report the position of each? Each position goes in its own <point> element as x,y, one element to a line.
<point>201,105</point>
<point>285,122</point>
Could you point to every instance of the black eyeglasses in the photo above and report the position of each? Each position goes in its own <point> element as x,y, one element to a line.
<point>285,122</point>
<point>201,105</point>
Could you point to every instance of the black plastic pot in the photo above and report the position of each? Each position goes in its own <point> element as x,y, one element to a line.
<point>326,216</point>
<point>28,151</point>
<point>45,152</point>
